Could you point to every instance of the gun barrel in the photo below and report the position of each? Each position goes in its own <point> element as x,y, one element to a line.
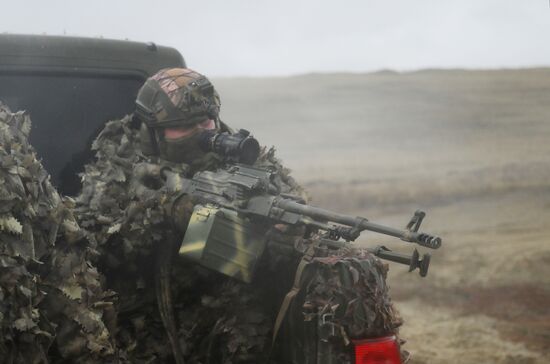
<point>317,213</point>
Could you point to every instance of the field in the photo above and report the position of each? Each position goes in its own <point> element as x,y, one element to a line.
<point>472,149</point>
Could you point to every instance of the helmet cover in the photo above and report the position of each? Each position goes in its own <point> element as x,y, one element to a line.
<point>177,97</point>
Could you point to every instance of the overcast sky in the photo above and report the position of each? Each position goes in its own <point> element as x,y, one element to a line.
<point>284,37</point>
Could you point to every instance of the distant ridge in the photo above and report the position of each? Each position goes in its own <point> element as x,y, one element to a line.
<point>388,72</point>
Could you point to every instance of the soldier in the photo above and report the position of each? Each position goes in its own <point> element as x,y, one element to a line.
<point>138,219</point>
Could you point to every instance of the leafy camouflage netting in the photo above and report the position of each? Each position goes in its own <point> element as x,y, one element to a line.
<point>342,296</point>
<point>51,302</point>
<point>352,289</point>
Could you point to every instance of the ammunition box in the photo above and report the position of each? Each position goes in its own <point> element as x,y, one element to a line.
<point>220,240</point>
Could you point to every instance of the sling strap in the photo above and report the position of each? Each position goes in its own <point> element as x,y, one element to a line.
<point>164,295</point>
<point>306,259</point>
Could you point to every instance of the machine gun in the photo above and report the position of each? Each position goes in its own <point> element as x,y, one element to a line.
<point>237,204</point>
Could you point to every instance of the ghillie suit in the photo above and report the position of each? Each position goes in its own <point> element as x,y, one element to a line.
<point>123,205</point>
<point>51,301</point>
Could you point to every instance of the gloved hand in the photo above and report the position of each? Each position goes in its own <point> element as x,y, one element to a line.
<point>178,210</point>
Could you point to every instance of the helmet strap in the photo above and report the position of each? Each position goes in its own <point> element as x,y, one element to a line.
<point>154,141</point>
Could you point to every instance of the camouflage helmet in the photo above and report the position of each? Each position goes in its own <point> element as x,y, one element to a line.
<point>176,97</point>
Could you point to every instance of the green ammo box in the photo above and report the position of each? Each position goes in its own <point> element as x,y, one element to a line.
<point>220,240</point>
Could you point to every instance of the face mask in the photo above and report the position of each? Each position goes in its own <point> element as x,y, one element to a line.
<point>182,150</point>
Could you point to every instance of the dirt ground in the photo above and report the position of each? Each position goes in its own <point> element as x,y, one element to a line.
<point>472,149</point>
